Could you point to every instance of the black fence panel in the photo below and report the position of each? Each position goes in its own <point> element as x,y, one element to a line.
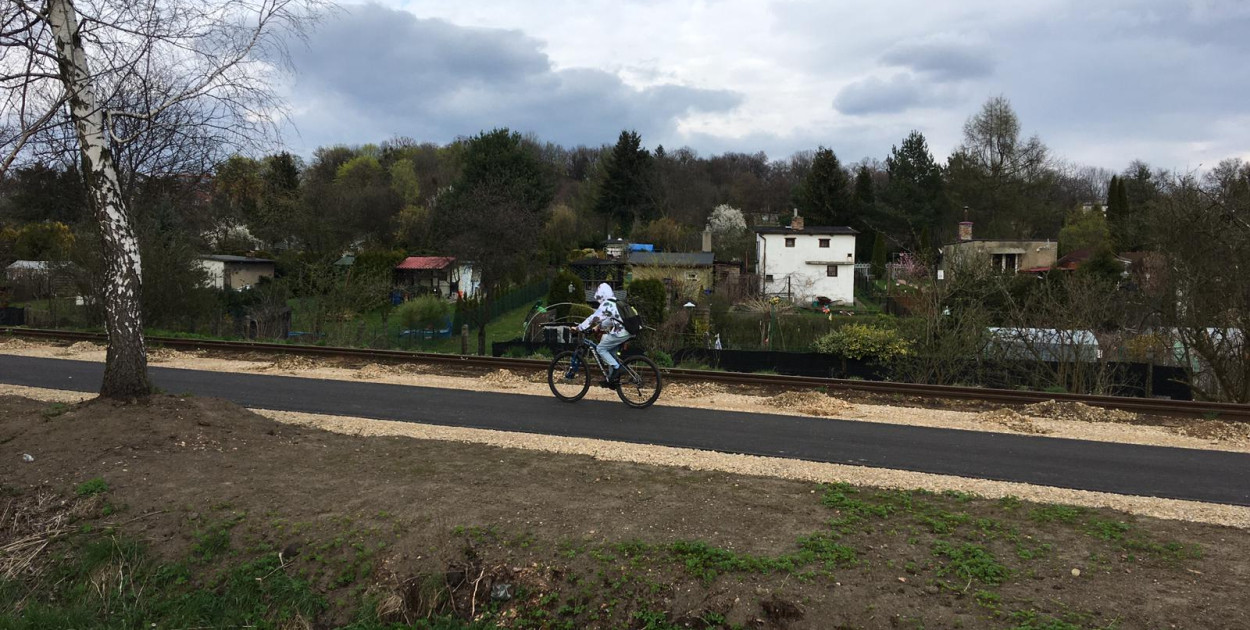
<point>12,316</point>
<point>527,348</point>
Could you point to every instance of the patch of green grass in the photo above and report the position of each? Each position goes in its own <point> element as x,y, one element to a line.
<point>214,541</point>
<point>706,562</point>
<point>841,497</point>
<point>824,549</point>
<point>1052,512</point>
<point>91,487</point>
<point>962,497</point>
<point>1172,550</point>
<point>654,620</point>
<point>941,522</point>
<point>1105,529</point>
<point>1010,503</point>
<point>142,591</point>
<point>55,409</point>
<point>987,599</point>
<point>1031,620</point>
<point>970,562</point>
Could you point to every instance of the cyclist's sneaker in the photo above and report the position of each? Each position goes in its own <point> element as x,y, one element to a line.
<point>606,385</point>
<point>614,376</point>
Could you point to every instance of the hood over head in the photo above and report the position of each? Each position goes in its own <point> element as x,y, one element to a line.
<point>604,292</point>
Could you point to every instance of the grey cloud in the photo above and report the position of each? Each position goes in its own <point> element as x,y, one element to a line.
<point>875,95</point>
<point>381,72</point>
<point>944,60</point>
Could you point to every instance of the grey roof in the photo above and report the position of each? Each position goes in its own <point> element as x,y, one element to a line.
<point>815,229</point>
<point>240,259</point>
<point>672,259</point>
<point>596,262</point>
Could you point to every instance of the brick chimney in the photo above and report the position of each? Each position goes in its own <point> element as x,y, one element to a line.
<point>796,223</point>
<point>707,240</point>
<point>965,230</point>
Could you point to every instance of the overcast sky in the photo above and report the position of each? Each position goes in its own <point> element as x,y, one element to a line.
<point>1100,81</point>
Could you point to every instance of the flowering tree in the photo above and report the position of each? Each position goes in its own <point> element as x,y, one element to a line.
<point>730,238</point>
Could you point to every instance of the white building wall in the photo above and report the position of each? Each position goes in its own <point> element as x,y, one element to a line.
<point>216,273</point>
<point>803,268</point>
<point>469,280</point>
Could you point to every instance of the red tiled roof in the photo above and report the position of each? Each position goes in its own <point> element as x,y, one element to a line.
<point>426,262</point>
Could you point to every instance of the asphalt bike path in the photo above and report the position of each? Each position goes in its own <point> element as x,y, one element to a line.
<point>1176,473</point>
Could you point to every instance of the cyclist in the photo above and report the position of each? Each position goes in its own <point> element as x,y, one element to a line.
<point>608,318</point>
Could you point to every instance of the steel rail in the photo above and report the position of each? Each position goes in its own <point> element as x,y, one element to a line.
<point>1225,411</point>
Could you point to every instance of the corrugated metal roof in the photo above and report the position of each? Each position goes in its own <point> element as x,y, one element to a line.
<point>674,259</point>
<point>425,262</point>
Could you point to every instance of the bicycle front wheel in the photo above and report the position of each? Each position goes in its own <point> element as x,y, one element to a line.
<point>640,382</point>
<point>568,376</point>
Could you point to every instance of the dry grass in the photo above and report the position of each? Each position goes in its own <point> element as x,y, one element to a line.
<point>694,390</point>
<point>15,343</point>
<point>809,402</point>
<point>1215,430</point>
<point>1080,412</point>
<point>80,347</point>
<point>504,379</point>
<point>1011,419</point>
<point>384,370</point>
<point>290,363</point>
<point>28,524</point>
<point>162,355</point>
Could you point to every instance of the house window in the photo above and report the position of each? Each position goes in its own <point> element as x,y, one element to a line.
<point>824,242</point>
<point>831,271</point>
<point>789,241</point>
<point>768,278</point>
<point>1005,262</point>
<point>692,276</point>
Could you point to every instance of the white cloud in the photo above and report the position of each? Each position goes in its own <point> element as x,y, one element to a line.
<point>1101,83</point>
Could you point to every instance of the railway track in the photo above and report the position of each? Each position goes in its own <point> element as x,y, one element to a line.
<point>1223,411</point>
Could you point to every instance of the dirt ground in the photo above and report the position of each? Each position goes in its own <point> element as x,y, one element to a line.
<point>531,539</point>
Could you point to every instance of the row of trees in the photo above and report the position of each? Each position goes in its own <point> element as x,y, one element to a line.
<point>386,196</point>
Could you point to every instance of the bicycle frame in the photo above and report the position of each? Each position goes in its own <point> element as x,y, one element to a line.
<point>587,346</point>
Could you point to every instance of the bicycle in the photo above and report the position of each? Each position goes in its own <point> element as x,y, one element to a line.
<point>568,375</point>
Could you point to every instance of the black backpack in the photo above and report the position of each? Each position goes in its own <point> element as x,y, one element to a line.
<point>630,318</point>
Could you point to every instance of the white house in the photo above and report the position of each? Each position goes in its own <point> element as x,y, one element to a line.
<point>234,272</point>
<point>803,263</point>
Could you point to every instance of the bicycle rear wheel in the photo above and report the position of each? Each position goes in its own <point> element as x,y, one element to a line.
<point>640,382</point>
<point>568,376</point>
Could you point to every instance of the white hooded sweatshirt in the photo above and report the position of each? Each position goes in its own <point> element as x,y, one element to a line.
<point>608,315</point>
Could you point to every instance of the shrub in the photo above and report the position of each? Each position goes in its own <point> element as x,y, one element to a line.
<point>559,292</point>
<point>857,341</point>
<point>661,358</point>
<point>578,312</point>
<point>649,297</point>
<point>422,313</point>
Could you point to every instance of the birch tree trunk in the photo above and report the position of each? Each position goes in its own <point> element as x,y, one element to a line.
<point>125,368</point>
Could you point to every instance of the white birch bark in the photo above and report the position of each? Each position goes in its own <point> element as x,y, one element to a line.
<point>125,372</point>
